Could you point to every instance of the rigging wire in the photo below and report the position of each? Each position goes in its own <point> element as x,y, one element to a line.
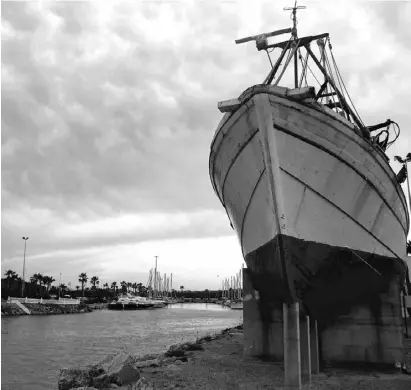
<point>339,74</point>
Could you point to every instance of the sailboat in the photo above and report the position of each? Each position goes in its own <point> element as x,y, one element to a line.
<point>307,186</point>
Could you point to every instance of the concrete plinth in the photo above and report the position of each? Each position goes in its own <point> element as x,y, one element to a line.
<point>262,323</point>
<point>305,346</point>
<point>369,333</point>
<point>292,353</point>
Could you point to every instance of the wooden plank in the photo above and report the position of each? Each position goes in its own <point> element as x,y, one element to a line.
<point>266,35</point>
<point>303,41</point>
<point>301,93</point>
<point>229,105</point>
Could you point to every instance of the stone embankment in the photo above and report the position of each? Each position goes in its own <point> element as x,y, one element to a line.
<point>217,362</point>
<point>12,309</point>
<point>125,371</point>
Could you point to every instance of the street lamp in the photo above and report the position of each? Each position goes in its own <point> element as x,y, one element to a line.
<point>24,266</point>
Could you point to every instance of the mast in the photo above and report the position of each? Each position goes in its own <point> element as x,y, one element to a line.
<point>294,36</point>
<point>155,279</point>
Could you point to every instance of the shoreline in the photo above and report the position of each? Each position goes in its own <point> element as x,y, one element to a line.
<point>12,309</point>
<point>217,362</point>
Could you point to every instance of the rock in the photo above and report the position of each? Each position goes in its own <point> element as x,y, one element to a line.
<point>148,363</point>
<point>169,360</point>
<point>113,386</point>
<point>101,381</point>
<point>142,384</point>
<point>149,356</point>
<point>72,378</point>
<point>120,369</point>
<point>84,388</point>
<point>178,362</point>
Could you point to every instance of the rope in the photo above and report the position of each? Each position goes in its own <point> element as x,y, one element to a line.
<point>339,74</point>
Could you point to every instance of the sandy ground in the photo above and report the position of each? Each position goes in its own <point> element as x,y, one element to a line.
<point>221,365</point>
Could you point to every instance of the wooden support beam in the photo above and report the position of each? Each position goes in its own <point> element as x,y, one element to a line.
<point>303,41</point>
<point>229,105</point>
<point>327,94</point>
<point>274,69</point>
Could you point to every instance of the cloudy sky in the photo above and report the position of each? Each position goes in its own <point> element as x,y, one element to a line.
<point>109,108</point>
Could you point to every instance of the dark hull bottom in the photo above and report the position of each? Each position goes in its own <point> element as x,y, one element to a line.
<point>356,302</point>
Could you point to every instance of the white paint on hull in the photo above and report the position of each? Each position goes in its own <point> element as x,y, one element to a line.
<point>358,205</point>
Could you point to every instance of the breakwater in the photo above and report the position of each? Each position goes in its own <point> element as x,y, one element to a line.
<point>13,309</point>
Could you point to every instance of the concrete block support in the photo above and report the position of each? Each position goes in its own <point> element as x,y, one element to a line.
<point>262,323</point>
<point>370,332</point>
<point>305,341</point>
<point>315,357</point>
<point>292,353</point>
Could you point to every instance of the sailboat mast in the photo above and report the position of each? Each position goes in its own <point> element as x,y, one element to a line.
<point>155,279</point>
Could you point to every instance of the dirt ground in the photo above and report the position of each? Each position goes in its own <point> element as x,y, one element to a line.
<point>221,365</point>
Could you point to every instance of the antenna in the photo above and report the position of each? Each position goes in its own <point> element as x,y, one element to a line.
<point>294,9</point>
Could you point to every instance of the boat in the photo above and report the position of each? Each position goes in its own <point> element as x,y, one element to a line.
<point>126,302</point>
<point>319,213</point>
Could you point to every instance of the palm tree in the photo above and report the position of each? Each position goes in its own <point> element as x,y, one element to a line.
<point>82,278</point>
<point>10,275</point>
<point>63,288</point>
<point>94,281</point>
<point>129,285</point>
<point>181,289</point>
<point>77,288</point>
<point>105,285</point>
<point>114,287</point>
<point>48,280</point>
<point>123,286</point>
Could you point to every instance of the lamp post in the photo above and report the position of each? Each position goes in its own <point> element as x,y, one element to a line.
<point>24,266</point>
<point>60,285</point>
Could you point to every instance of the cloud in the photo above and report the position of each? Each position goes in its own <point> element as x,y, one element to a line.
<point>108,111</point>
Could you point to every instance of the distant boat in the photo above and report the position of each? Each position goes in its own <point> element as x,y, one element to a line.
<point>307,186</point>
<point>128,303</point>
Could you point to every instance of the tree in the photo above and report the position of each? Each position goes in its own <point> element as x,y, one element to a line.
<point>114,287</point>
<point>409,247</point>
<point>48,280</point>
<point>63,288</point>
<point>105,285</point>
<point>82,278</point>
<point>94,280</point>
<point>123,286</point>
<point>10,275</point>
<point>77,288</point>
<point>181,289</point>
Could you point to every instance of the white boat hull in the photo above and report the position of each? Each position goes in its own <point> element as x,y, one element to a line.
<point>310,184</point>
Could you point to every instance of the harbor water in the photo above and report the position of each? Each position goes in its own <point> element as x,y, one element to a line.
<point>35,348</point>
